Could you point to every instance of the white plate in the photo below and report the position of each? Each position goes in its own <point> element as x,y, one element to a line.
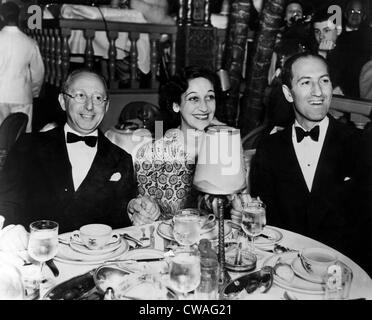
<point>300,271</point>
<point>79,247</point>
<point>67,255</point>
<point>297,284</point>
<point>165,230</point>
<point>275,237</point>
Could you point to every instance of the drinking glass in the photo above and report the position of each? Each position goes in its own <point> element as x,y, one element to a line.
<point>184,271</point>
<point>186,229</point>
<point>253,219</point>
<point>43,242</point>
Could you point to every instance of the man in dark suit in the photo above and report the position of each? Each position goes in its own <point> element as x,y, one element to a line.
<point>302,172</point>
<point>71,174</point>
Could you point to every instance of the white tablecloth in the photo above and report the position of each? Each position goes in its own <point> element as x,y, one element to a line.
<point>361,285</point>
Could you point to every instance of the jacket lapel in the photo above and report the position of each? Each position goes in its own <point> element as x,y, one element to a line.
<point>290,162</point>
<point>102,166</point>
<point>324,162</point>
<point>56,161</point>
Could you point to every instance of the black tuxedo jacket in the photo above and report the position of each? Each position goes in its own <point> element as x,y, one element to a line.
<point>277,178</point>
<point>36,183</point>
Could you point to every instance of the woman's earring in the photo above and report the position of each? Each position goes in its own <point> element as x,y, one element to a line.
<point>176,108</point>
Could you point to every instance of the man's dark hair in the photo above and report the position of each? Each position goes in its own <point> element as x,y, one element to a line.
<point>10,13</point>
<point>322,16</point>
<point>287,72</point>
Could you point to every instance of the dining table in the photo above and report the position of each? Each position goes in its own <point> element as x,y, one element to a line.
<point>301,289</point>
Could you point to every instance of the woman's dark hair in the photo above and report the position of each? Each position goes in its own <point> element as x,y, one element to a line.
<point>171,92</point>
<point>287,73</point>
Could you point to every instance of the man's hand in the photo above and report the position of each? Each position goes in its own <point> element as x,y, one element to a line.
<point>144,210</point>
<point>13,238</point>
<point>326,45</point>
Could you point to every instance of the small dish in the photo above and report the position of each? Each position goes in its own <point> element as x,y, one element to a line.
<point>299,270</point>
<point>248,260</point>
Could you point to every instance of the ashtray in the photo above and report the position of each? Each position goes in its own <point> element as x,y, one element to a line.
<point>246,262</point>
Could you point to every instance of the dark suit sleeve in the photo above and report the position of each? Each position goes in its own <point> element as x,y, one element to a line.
<point>263,181</point>
<point>11,188</point>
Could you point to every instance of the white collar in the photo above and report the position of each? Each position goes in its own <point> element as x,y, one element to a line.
<point>67,128</point>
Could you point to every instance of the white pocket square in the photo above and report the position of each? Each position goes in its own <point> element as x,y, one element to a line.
<point>116,176</point>
<point>346,178</point>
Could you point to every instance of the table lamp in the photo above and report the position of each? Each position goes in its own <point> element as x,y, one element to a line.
<point>219,171</point>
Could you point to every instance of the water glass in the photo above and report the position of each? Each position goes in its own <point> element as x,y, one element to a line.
<point>253,219</point>
<point>43,242</point>
<point>184,272</point>
<point>338,281</point>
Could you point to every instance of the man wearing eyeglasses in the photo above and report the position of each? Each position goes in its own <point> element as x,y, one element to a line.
<point>71,174</point>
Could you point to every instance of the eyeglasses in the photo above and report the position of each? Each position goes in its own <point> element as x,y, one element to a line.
<point>81,97</point>
<point>352,11</point>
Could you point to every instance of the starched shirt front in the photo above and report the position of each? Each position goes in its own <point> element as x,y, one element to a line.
<point>308,151</point>
<point>81,156</point>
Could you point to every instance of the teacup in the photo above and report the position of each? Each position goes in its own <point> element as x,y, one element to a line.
<point>206,221</point>
<point>316,261</point>
<point>95,236</point>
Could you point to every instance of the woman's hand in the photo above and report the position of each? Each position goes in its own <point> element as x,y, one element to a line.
<point>144,210</point>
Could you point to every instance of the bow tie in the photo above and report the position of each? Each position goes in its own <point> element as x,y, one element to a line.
<point>313,133</point>
<point>89,140</point>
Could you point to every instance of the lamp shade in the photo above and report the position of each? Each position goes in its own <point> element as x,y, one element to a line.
<point>219,168</point>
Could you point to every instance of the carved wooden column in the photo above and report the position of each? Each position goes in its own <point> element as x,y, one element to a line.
<point>112,36</point>
<point>154,58</point>
<point>65,52</point>
<point>58,58</point>
<point>89,51</point>
<point>196,38</point>
<point>133,37</point>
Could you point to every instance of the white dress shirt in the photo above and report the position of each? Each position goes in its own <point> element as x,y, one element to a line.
<point>308,151</point>
<point>81,156</point>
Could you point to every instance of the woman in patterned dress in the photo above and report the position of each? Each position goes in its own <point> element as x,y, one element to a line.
<point>165,167</point>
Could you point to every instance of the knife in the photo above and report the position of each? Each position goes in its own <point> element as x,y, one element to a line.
<point>266,236</point>
<point>128,237</point>
<point>137,260</point>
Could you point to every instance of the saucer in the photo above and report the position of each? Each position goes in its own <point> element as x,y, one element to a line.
<point>165,230</point>
<point>68,255</point>
<point>301,272</point>
<point>297,284</point>
<point>80,247</point>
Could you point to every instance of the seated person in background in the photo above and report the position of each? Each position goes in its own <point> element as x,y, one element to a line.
<point>279,112</point>
<point>326,33</point>
<point>298,172</point>
<point>297,27</point>
<point>71,174</point>
<point>345,52</point>
<point>355,15</point>
<point>165,168</point>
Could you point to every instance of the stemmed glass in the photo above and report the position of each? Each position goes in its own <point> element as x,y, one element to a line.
<point>43,242</point>
<point>184,271</point>
<point>253,219</point>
